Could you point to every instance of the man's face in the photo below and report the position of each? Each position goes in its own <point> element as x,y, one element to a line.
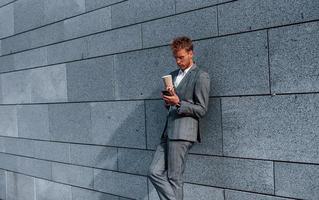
<point>183,58</point>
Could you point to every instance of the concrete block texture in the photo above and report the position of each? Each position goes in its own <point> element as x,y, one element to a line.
<point>249,15</point>
<point>6,21</point>
<point>28,14</point>
<point>115,41</point>
<point>138,74</point>
<point>15,43</point>
<point>73,175</point>
<point>94,156</point>
<point>60,9</point>
<point>70,122</point>
<point>134,161</point>
<point>34,167</point>
<point>35,38</point>
<point>33,121</point>
<point>88,23</point>
<point>8,121</point>
<point>8,162</point>
<point>4,2</point>
<point>16,87</point>
<point>162,31</point>
<point>193,191</point>
<point>84,194</point>
<point>126,185</point>
<point>37,85</point>
<point>186,5</point>
<point>237,64</point>
<point>47,190</point>
<point>67,51</point>
<point>3,184</point>
<point>275,128</point>
<point>7,63</point>
<point>297,180</point>
<point>90,80</point>
<point>20,187</point>
<point>96,4</point>
<point>29,59</point>
<point>237,195</point>
<point>241,174</point>
<point>293,58</point>
<point>119,123</point>
<point>134,11</point>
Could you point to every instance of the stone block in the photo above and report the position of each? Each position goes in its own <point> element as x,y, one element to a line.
<point>186,5</point>
<point>8,121</point>
<point>192,191</point>
<point>49,84</point>
<point>28,14</point>
<point>67,51</point>
<point>8,162</point>
<point>240,174</point>
<point>297,180</point>
<point>88,23</point>
<point>51,151</point>
<point>90,80</point>
<point>275,128</point>
<point>20,187</point>
<point>247,15</point>
<point>237,195</point>
<point>96,4</point>
<point>70,122</point>
<point>149,66</point>
<point>3,184</point>
<point>116,183</point>
<point>16,43</point>
<point>134,161</point>
<point>33,121</point>
<point>16,87</point>
<point>120,123</point>
<point>73,175</point>
<point>293,58</point>
<point>6,63</point>
<point>30,59</point>
<point>162,31</point>
<point>94,156</point>
<point>47,190</point>
<point>47,35</point>
<point>83,194</point>
<point>60,9</point>
<point>135,11</point>
<point>115,41</point>
<point>6,21</point>
<point>34,167</point>
<point>237,64</point>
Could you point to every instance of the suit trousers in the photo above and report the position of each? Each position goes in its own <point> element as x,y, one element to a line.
<point>167,168</point>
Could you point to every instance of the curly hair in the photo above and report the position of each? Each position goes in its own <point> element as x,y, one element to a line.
<point>182,42</point>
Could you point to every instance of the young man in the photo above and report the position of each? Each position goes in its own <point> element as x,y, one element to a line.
<point>186,104</point>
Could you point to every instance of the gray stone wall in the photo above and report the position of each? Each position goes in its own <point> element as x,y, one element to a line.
<point>81,113</point>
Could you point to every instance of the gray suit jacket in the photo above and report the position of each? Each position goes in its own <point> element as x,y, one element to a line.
<point>183,123</point>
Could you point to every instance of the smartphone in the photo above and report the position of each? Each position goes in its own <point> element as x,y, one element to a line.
<point>166,93</point>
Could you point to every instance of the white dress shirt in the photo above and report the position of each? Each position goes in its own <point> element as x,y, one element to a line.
<point>181,75</point>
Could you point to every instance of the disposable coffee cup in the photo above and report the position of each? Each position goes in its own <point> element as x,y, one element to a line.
<point>168,82</point>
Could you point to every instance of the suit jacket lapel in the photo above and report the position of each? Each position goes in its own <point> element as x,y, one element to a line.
<point>186,77</point>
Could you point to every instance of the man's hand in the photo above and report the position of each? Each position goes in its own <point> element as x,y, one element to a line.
<point>170,100</point>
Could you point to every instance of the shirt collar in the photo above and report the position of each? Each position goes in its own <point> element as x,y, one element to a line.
<point>186,70</point>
